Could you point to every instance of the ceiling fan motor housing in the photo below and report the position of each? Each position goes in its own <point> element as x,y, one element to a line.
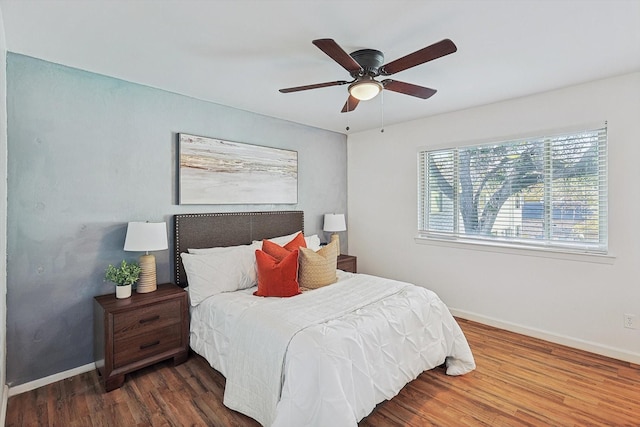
<point>370,60</point>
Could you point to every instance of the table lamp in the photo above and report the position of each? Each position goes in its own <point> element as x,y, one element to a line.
<point>334,223</point>
<point>145,237</point>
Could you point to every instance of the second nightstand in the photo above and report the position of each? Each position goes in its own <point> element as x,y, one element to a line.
<point>348,263</point>
<point>135,332</point>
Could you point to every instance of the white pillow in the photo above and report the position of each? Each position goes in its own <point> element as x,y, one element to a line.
<point>215,270</point>
<point>282,240</point>
<point>312,242</point>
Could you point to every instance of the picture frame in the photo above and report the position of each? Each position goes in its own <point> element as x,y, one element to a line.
<point>215,171</point>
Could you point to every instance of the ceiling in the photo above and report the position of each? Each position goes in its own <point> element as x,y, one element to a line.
<point>239,53</point>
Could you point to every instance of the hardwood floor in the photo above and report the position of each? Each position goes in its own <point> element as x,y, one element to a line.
<point>519,381</point>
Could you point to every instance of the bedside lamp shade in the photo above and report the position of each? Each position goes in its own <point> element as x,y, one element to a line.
<point>334,223</point>
<point>145,237</point>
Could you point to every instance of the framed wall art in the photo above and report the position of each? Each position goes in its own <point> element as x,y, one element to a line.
<point>215,171</point>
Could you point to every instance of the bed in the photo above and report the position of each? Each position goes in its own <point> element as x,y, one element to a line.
<point>326,356</point>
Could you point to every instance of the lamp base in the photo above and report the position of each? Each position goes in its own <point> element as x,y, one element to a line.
<point>147,281</point>
<point>336,238</point>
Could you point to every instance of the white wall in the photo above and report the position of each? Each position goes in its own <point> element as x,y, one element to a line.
<point>579,303</point>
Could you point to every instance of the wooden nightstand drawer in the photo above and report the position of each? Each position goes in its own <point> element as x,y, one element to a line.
<point>131,348</point>
<point>145,319</point>
<point>348,263</point>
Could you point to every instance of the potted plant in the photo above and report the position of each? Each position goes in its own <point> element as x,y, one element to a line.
<point>124,277</point>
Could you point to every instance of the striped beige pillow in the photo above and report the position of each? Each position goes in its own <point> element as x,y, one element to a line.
<point>318,269</point>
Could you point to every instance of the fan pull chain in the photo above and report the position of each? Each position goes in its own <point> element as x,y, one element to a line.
<point>382,111</point>
<point>347,116</point>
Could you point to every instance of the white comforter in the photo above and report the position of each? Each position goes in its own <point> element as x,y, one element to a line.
<point>328,356</point>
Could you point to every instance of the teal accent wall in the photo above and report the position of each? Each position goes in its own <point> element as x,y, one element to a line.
<point>3,212</point>
<point>88,153</point>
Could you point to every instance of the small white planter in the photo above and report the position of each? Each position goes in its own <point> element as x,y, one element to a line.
<point>123,291</point>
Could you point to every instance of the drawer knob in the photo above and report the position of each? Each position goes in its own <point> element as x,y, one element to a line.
<point>150,319</point>
<point>149,345</point>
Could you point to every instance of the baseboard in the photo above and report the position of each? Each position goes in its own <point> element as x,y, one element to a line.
<point>32,385</point>
<point>589,346</point>
<point>3,410</point>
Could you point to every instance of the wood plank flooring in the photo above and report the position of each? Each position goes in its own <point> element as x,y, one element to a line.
<point>519,381</point>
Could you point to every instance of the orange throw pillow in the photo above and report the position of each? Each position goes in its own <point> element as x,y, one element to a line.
<point>280,252</point>
<point>277,278</point>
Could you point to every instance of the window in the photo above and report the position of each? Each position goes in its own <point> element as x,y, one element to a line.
<point>549,192</point>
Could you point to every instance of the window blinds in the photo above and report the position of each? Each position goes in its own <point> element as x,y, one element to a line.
<point>546,191</point>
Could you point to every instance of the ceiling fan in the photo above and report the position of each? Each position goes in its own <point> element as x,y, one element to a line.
<point>366,64</point>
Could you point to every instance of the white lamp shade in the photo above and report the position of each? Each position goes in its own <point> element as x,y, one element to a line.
<point>334,223</point>
<point>146,236</point>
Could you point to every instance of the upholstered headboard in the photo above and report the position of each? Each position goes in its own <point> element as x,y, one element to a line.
<point>208,230</point>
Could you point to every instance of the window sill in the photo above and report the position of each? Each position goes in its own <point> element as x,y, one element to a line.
<point>518,250</point>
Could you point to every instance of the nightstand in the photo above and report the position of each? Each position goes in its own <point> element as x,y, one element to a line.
<point>131,333</point>
<point>348,263</point>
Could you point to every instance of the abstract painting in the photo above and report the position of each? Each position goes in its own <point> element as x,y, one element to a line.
<point>214,171</point>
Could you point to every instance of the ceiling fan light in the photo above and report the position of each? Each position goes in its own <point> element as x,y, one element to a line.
<point>365,90</point>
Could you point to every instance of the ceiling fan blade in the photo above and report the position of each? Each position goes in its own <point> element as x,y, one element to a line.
<point>315,86</point>
<point>408,88</point>
<point>335,52</point>
<point>350,105</point>
<point>429,53</point>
